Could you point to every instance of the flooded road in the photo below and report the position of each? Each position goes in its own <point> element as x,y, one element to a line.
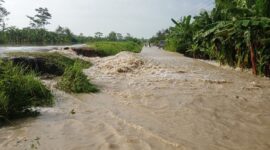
<point>153,100</point>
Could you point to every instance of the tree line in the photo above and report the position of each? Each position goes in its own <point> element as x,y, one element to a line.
<point>37,34</point>
<point>114,36</point>
<point>234,32</point>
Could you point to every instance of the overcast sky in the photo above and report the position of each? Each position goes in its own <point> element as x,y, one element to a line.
<point>141,18</point>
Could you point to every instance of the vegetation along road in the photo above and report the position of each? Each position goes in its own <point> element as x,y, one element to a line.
<point>152,100</point>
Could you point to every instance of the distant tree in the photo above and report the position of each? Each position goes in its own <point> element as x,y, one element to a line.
<point>3,14</point>
<point>128,35</point>
<point>64,31</point>
<point>98,35</point>
<point>60,30</point>
<point>68,32</point>
<point>40,20</point>
<point>112,36</point>
<point>119,36</point>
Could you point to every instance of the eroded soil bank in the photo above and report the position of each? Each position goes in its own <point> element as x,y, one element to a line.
<point>152,100</point>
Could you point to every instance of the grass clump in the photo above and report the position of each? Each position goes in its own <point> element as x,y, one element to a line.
<point>74,80</point>
<point>107,48</point>
<point>20,91</point>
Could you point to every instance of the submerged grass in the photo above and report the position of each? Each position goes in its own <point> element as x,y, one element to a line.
<point>74,80</point>
<point>20,91</point>
<point>107,48</point>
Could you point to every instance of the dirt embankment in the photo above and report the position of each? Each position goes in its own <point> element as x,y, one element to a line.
<point>86,51</point>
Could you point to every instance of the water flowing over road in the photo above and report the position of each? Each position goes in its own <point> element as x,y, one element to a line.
<point>153,100</point>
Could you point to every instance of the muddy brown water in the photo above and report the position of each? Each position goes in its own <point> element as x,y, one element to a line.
<point>154,100</point>
<point>6,49</point>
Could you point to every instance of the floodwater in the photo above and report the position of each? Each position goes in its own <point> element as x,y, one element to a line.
<point>4,49</point>
<point>154,100</point>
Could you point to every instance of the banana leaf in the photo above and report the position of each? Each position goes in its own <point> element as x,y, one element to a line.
<point>265,42</point>
<point>245,23</point>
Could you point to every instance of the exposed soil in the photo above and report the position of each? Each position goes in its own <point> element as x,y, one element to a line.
<point>38,64</point>
<point>86,51</point>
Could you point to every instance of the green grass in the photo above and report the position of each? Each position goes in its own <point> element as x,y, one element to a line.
<point>20,91</point>
<point>106,48</point>
<point>74,80</point>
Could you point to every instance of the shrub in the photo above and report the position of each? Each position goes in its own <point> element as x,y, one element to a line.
<point>20,91</point>
<point>74,80</point>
